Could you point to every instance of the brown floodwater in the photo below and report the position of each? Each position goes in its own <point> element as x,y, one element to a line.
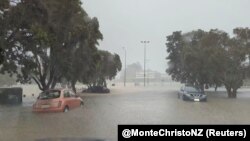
<point>101,114</point>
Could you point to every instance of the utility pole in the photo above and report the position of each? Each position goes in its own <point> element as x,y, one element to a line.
<point>125,60</point>
<point>144,42</point>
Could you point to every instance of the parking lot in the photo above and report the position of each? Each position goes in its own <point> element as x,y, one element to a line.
<point>101,114</point>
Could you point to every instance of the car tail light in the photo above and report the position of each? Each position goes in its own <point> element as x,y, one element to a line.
<point>59,103</point>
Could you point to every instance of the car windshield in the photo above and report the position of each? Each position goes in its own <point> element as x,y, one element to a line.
<point>192,89</point>
<point>49,94</point>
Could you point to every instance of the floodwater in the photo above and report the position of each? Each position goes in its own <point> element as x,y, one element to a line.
<point>101,114</point>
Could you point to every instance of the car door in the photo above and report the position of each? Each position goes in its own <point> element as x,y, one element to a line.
<point>67,98</point>
<point>75,101</point>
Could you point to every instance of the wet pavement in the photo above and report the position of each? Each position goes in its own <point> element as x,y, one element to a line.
<point>101,114</point>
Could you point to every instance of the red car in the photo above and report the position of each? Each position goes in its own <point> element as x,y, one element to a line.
<point>57,100</point>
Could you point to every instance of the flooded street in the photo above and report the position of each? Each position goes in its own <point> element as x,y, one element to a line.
<point>101,114</point>
<point>123,62</point>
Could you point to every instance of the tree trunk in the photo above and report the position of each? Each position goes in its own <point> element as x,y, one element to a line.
<point>73,83</point>
<point>229,92</point>
<point>105,84</point>
<point>53,84</point>
<point>202,87</point>
<point>232,93</point>
<point>45,88</point>
<point>38,83</point>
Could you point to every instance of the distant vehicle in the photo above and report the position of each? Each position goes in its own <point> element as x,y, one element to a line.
<point>192,94</point>
<point>57,100</point>
<point>97,89</point>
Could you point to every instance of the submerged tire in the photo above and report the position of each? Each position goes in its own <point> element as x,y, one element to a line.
<point>66,109</point>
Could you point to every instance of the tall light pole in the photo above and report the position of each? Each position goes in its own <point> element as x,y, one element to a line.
<point>144,42</point>
<point>148,72</point>
<point>125,71</point>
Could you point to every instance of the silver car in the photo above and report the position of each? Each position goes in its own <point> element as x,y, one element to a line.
<point>192,94</point>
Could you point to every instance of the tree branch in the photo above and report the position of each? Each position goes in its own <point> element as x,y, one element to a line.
<point>38,83</point>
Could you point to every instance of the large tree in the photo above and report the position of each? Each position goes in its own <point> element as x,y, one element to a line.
<point>207,58</point>
<point>85,57</point>
<point>107,67</point>
<point>175,44</point>
<point>233,74</point>
<point>243,35</point>
<point>190,57</point>
<point>45,40</point>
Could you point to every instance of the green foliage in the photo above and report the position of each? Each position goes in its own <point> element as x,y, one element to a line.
<point>207,59</point>
<point>50,42</point>
<point>107,67</point>
<point>4,4</point>
<point>175,44</point>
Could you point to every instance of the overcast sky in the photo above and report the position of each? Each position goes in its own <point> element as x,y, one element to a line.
<point>124,23</point>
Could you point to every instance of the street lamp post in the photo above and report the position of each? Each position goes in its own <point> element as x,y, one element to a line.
<point>144,42</point>
<point>148,73</point>
<point>125,71</point>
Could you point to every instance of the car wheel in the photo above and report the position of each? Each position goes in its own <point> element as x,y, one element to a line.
<point>66,109</point>
<point>81,104</point>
